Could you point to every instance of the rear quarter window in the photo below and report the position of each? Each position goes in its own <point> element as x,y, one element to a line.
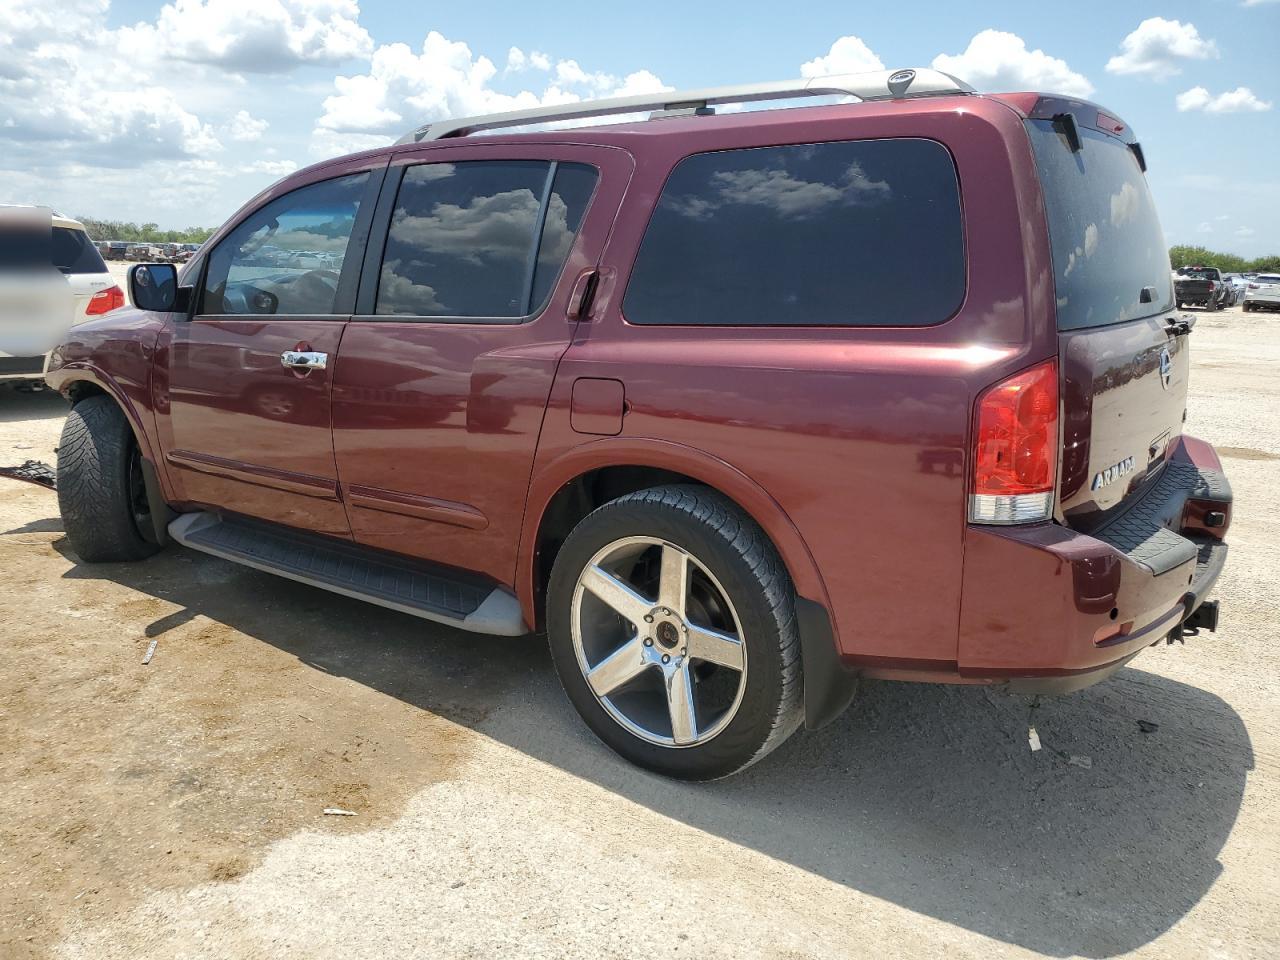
<point>848,233</point>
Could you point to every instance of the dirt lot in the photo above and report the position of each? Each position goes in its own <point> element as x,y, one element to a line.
<point>175,809</point>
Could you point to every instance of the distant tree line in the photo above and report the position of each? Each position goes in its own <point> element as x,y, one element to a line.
<point>1184,256</point>
<point>146,233</point>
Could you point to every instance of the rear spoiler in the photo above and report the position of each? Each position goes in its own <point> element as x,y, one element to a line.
<point>1069,115</point>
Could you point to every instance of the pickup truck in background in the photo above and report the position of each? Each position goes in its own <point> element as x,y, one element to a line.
<point>1201,287</point>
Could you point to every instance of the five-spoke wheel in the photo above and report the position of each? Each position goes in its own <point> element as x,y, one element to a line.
<point>652,629</point>
<point>671,622</point>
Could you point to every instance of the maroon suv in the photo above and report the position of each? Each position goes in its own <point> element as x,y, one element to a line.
<point>737,408</point>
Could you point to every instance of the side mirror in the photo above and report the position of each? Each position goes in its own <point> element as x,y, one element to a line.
<point>154,286</point>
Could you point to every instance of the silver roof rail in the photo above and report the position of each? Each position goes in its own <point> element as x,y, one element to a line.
<point>878,85</point>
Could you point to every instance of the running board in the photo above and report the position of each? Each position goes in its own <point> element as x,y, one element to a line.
<point>399,584</point>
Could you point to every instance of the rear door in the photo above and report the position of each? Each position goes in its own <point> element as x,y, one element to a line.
<point>243,387</point>
<point>1124,363</point>
<point>478,254</point>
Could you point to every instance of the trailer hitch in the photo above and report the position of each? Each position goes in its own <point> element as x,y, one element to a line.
<point>1205,617</point>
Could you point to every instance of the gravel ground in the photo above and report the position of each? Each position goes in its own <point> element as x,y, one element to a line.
<point>176,809</point>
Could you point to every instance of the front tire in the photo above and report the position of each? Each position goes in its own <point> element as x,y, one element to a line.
<point>101,491</point>
<point>672,626</point>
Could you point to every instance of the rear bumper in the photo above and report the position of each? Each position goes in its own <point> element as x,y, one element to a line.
<point>1050,609</point>
<point>22,368</point>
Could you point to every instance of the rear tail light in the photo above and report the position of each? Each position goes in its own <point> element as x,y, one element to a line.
<point>1016,452</point>
<point>1253,286</point>
<point>104,301</point>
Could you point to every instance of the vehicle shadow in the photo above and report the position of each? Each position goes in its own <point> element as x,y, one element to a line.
<point>18,405</point>
<point>926,796</point>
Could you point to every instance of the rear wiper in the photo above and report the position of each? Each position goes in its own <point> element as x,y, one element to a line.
<point>1181,325</point>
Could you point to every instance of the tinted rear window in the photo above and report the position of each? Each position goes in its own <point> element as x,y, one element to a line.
<point>481,238</point>
<point>1106,239</point>
<point>852,233</point>
<point>74,253</point>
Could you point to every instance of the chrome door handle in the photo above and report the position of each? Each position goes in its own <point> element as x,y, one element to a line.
<point>304,360</point>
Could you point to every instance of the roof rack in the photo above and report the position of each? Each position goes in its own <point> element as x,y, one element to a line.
<point>877,85</point>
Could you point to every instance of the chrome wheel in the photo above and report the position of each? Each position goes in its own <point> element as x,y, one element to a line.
<point>658,642</point>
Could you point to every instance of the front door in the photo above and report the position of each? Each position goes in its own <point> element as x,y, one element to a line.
<point>477,258</point>
<point>244,386</point>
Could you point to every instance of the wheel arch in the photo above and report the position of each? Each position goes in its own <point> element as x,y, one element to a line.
<point>570,486</point>
<point>82,381</point>
<point>566,489</point>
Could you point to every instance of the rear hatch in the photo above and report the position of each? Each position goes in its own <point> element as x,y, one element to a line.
<point>1123,363</point>
<point>79,261</point>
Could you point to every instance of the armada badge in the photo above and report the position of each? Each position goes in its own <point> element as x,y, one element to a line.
<point>1112,473</point>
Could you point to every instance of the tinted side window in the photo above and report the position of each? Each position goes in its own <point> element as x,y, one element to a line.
<point>287,257</point>
<point>462,237</point>
<point>73,253</point>
<point>854,233</point>
<point>570,195</point>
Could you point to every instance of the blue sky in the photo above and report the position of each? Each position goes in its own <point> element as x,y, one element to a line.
<point>178,112</point>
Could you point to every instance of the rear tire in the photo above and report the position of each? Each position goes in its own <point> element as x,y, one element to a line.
<point>101,491</point>
<point>734,588</point>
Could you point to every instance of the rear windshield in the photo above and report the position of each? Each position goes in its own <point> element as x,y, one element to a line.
<point>1199,274</point>
<point>1106,240</point>
<point>73,253</point>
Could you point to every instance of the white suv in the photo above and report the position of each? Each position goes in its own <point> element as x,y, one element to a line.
<point>93,290</point>
<point>1263,292</point>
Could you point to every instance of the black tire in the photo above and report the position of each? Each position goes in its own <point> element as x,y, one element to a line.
<point>100,488</point>
<point>740,556</point>
<point>1180,306</point>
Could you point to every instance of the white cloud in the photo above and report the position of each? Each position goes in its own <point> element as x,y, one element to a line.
<point>85,116</point>
<point>518,60</point>
<point>1205,228</point>
<point>1239,100</point>
<point>1159,47</point>
<point>65,86</point>
<point>403,90</point>
<point>998,61</point>
<point>847,55</point>
<point>244,127</point>
<point>273,168</point>
<point>256,36</point>
<point>1245,232</point>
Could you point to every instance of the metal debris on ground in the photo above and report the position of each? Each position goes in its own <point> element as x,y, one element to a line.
<point>1033,738</point>
<point>1078,761</point>
<point>1146,726</point>
<point>151,651</point>
<point>33,471</point>
<point>338,812</point>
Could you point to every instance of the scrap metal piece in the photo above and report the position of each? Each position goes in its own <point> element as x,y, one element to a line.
<point>33,471</point>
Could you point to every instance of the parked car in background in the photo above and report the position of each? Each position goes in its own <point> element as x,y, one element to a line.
<point>1238,284</point>
<point>1262,292</point>
<point>93,293</point>
<point>597,382</point>
<point>1201,287</point>
<point>143,252</point>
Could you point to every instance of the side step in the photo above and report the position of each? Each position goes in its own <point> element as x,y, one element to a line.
<point>353,571</point>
